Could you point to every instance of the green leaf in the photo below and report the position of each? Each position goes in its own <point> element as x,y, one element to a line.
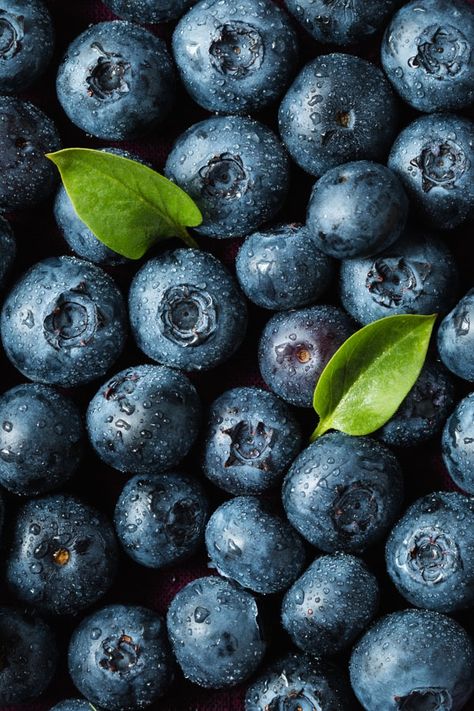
<point>370,375</point>
<point>127,205</point>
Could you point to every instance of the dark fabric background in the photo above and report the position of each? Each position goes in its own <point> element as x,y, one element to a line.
<point>37,238</point>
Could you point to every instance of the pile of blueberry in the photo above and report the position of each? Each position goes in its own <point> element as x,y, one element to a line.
<point>157,431</point>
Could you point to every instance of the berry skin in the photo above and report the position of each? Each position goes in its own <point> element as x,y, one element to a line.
<point>148,11</point>
<point>296,346</point>
<point>423,412</point>
<point>235,169</point>
<point>456,338</point>
<point>214,629</point>
<point>64,322</point>
<point>116,81</point>
<point>282,268</point>
<point>119,658</point>
<point>413,659</point>
<point>416,275</point>
<point>144,419</point>
<point>458,444</point>
<point>29,656</point>
<point>63,557</point>
<point>343,493</point>
<point>299,681</point>
<point>434,159</point>
<point>27,44</point>
<point>342,23</point>
<point>247,542</point>
<point>73,705</point>
<point>160,518</point>
<point>430,552</point>
<point>328,607</point>
<point>186,310</point>
<point>251,439</point>
<point>235,57</point>
<point>41,439</point>
<point>26,134</point>
<point>339,108</point>
<point>356,210</point>
<point>7,250</point>
<point>427,54</point>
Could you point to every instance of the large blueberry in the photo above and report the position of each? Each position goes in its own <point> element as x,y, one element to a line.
<point>63,556</point>
<point>7,250</point>
<point>41,439</point>
<point>144,419</point>
<point>186,311</point>
<point>148,11</point>
<point>416,275</point>
<point>249,543</point>
<point>356,210</point>
<point>29,656</point>
<point>235,57</point>
<point>343,493</point>
<point>160,518</point>
<point>413,660</point>
<point>340,108</point>
<point>235,169</point>
<point>296,346</point>
<point>26,134</point>
<point>456,338</point>
<point>428,54</point>
<point>64,322</point>
<point>300,683</point>
<point>251,439</point>
<point>458,444</point>
<point>116,81</point>
<point>430,552</point>
<point>281,268</point>
<point>327,608</point>
<point>215,632</point>
<point>119,658</point>
<point>423,412</point>
<point>434,159</point>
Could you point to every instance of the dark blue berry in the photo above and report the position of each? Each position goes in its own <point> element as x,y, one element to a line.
<point>148,11</point>
<point>456,338</point>
<point>7,250</point>
<point>458,444</point>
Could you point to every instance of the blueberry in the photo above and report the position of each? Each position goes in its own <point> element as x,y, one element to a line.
<point>433,157</point>
<point>340,108</point>
<point>29,656</point>
<point>343,493</point>
<point>148,11</point>
<point>186,310</point>
<point>26,134</point>
<point>356,210</point>
<point>63,557</point>
<point>249,543</point>
<point>26,43</point>
<point>296,346</point>
<point>74,705</point>
<point>215,632</point>
<point>430,552</point>
<point>427,54</point>
<point>119,658</point>
<point>251,439</point>
<point>413,660</point>
<point>281,268</point>
<point>235,169</point>
<point>144,419</point>
<point>116,81</point>
<point>456,339</point>
<point>41,439</point>
<point>458,444</point>
<point>342,23</point>
<point>416,275</point>
<point>64,322</point>
<point>160,518</point>
<point>330,604</point>
<point>300,683</point>
<point>235,57</point>
<point>424,411</point>
<point>7,250</point>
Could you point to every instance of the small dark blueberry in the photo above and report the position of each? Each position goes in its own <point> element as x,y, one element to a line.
<point>456,338</point>
<point>458,444</point>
